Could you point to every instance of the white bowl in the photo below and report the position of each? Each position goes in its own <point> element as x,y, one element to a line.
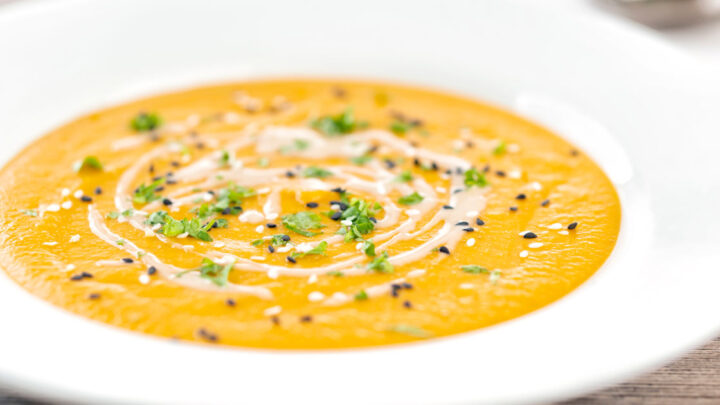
<point>645,112</point>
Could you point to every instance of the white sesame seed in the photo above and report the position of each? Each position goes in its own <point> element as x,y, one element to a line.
<point>514,174</point>
<point>74,238</point>
<point>470,214</point>
<point>339,296</point>
<point>556,225</point>
<point>144,278</point>
<point>66,205</point>
<point>271,216</point>
<point>412,212</point>
<point>312,279</point>
<point>257,258</point>
<point>183,235</point>
<point>513,148</point>
<point>263,190</point>
<point>284,249</point>
<point>207,197</point>
<point>78,194</point>
<point>359,246</point>
<point>219,244</point>
<point>260,228</point>
<point>441,190</point>
<point>536,245</point>
<point>316,296</point>
<point>536,186</point>
<point>470,242</point>
<point>335,207</point>
<point>156,227</point>
<point>50,243</point>
<point>53,208</point>
<point>273,273</point>
<point>70,267</point>
<point>346,222</point>
<point>564,232</point>
<point>273,310</point>
<point>467,286</point>
<point>65,192</point>
<point>524,253</point>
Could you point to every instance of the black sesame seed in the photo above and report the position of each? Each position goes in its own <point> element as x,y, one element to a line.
<point>513,209</point>
<point>169,174</point>
<point>500,173</point>
<point>407,286</point>
<point>448,172</point>
<point>159,189</point>
<point>416,162</point>
<point>286,238</point>
<point>94,296</point>
<point>230,302</point>
<point>156,178</point>
<point>479,222</point>
<point>127,260</point>
<point>520,196</point>
<point>211,192</point>
<point>389,163</point>
<point>312,205</point>
<point>306,318</point>
<point>170,182</point>
<point>271,249</point>
<point>529,235</point>
<point>275,320</point>
<point>394,290</point>
<point>434,166</point>
<point>77,277</point>
<point>200,145</point>
<point>572,226</point>
<point>373,220</point>
<point>85,274</point>
<point>444,249</point>
<point>469,229</point>
<point>289,174</point>
<point>457,190</point>
<point>291,259</point>
<point>226,211</point>
<point>98,190</point>
<point>336,216</point>
<point>338,190</point>
<point>271,225</point>
<point>407,304</point>
<point>545,203</point>
<point>167,201</point>
<point>209,336</point>
<point>486,169</point>
<point>459,170</point>
<point>462,223</point>
<point>151,169</point>
<point>151,270</point>
<point>175,163</point>
<point>574,152</point>
<point>86,198</point>
<point>448,207</point>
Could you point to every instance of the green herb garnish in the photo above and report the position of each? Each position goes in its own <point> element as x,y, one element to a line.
<point>31,213</point>
<point>361,160</point>
<point>399,127</point>
<point>113,215</point>
<point>314,171</point>
<point>358,213</point>
<point>474,269</point>
<point>381,264</point>
<point>317,250</point>
<point>473,177</point>
<point>297,145</point>
<point>361,296</point>
<point>303,222</point>
<point>500,149</point>
<point>145,122</point>
<point>90,162</point>
<point>368,248</point>
<point>411,199</point>
<point>343,123</point>
<point>146,194</point>
<point>404,177</point>
<point>410,330</point>
<point>214,272</point>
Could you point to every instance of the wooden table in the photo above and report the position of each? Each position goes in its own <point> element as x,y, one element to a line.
<point>694,379</point>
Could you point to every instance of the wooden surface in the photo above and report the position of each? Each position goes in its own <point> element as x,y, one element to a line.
<point>694,379</point>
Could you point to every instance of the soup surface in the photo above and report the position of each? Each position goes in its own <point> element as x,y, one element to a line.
<point>304,214</point>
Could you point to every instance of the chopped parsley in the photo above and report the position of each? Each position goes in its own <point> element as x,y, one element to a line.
<point>90,162</point>
<point>411,199</point>
<point>361,160</point>
<point>226,158</point>
<point>335,273</point>
<point>145,122</point>
<point>404,177</point>
<point>297,145</point>
<point>146,194</point>
<point>171,227</point>
<point>303,223</point>
<point>343,123</point>
<point>263,162</point>
<point>317,250</point>
<point>113,215</point>
<point>358,213</point>
<point>31,213</point>
<point>368,248</point>
<point>314,171</point>
<point>361,296</point>
<point>500,148</point>
<point>381,264</point>
<point>473,177</point>
<point>474,269</point>
<point>399,127</point>
<point>228,201</point>
<point>214,272</point>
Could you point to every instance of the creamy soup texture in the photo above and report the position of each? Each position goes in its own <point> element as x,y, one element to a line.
<point>293,214</point>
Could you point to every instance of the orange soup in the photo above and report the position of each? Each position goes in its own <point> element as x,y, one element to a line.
<point>304,214</point>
